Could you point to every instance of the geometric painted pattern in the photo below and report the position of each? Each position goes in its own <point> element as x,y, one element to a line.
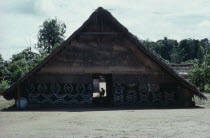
<point>118,94</point>
<point>59,93</point>
<point>131,95</point>
<point>74,94</point>
<point>143,94</point>
<point>169,97</point>
<point>155,93</point>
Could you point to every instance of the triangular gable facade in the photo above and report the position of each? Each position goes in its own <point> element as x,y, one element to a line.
<point>103,47</point>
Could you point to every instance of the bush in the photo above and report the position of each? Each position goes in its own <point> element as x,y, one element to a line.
<point>4,85</point>
<point>200,76</point>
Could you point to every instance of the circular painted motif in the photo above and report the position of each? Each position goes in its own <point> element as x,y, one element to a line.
<point>42,88</point>
<point>143,88</point>
<point>55,88</point>
<point>68,88</point>
<point>72,93</point>
<point>154,87</point>
<point>85,93</point>
<point>32,92</point>
<point>118,89</point>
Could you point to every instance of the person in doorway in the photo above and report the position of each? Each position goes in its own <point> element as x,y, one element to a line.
<point>102,92</point>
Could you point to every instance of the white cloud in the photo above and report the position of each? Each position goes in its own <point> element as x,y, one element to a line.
<point>151,19</point>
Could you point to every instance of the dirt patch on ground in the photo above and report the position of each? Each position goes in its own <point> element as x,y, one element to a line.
<point>107,122</point>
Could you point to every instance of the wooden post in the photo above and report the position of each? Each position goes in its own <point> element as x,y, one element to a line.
<point>180,99</point>
<point>19,91</point>
<point>188,98</point>
<point>19,94</point>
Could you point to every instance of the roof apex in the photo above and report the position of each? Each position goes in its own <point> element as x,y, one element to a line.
<point>100,8</point>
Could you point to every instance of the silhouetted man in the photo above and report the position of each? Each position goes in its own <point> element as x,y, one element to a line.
<point>102,92</point>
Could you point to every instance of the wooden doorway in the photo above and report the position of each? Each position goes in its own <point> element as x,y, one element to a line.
<point>102,89</point>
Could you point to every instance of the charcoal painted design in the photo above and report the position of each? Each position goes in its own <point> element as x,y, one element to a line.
<point>169,97</point>
<point>31,90</point>
<point>73,102</point>
<point>118,93</point>
<point>43,90</point>
<point>143,94</point>
<point>33,100</point>
<point>60,101</point>
<point>56,89</point>
<point>47,101</point>
<point>131,97</point>
<point>156,95</point>
<point>59,93</point>
<point>85,93</point>
<point>69,89</point>
<point>86,101</point>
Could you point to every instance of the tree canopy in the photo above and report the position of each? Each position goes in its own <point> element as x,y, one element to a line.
<point>51,33</point>
<point>178,52</point>
<point>50,36</point>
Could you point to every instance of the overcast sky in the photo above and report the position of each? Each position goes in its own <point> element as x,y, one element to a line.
<point>148,19</point>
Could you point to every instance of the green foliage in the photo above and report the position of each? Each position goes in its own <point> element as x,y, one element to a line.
<point>26,54</point>
<point>40,58</point>
<point>197,77</point>
<point>2,67</point>
<point>20,64</point>
<point>186,51</point>
<point>208,59</point>
<point>200,54</point>
<point>50,33</point>
<point>179,52</point>
<point>50,36</point>
<point>3,85</point>
<point>18,69</point>
<point>3,75</point>
<point>200,76</point>
<point>195,62</point>
<point>165,47</point>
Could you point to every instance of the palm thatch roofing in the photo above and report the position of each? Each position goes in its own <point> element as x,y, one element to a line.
<point>10,93</point>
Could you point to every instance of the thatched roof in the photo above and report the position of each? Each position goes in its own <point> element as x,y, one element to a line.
<point>10,94</point>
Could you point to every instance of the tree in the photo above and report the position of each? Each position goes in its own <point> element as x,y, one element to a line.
<point>166,48</point>
<point>3,75</point>
<point>18,69</point>
<point>197,77</point>
<point>200,54</point>
<point>200,76</point>
<point>1,67</point>
<point>26,54</point>
<point>205,44</point>
<point>21,63</point>
<point>51,33</point>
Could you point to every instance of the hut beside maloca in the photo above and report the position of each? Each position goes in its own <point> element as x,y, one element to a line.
<point>102,53</point>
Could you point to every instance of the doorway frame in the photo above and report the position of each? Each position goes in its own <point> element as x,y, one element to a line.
<point>109,89</point>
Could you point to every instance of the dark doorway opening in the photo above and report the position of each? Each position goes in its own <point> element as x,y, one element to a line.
<point>102,89</point>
